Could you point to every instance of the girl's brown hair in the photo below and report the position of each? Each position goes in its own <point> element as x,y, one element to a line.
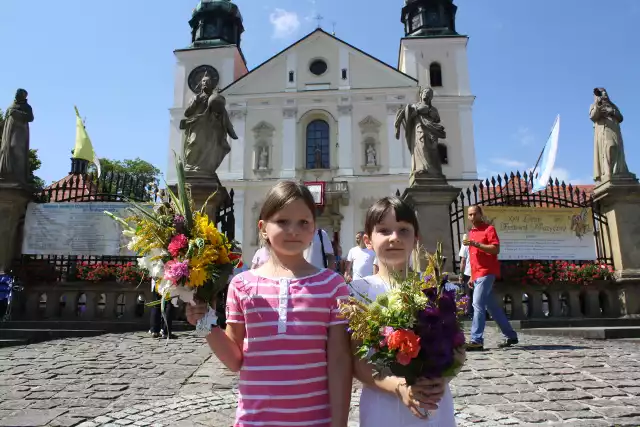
<point>401,209</point>
<point>283,193</point>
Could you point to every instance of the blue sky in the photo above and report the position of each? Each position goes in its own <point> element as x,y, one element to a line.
<point>529,61</point>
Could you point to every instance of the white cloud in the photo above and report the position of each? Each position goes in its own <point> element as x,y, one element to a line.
<point>508,162</point>
<point>285,24</point>
<point>564,175</point>
<point>524,136</point>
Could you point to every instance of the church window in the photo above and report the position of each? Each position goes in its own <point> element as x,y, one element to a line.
<point>318,145</point>
<point>435,75</point>
<point>210,31</point>
<point>344,74</point>
<point>318,67</point>
<point>443,153</point>
<point>291,76</point>
<point>416,21</point>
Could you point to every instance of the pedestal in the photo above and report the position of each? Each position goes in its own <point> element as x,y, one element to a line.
<point>13,205</point>
<point>619,200</point>
<point>431,199</point>
<point>201,187</point>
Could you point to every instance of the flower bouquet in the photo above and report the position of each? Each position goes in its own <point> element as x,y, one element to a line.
<point>412,331</point>
<point>180,249</point>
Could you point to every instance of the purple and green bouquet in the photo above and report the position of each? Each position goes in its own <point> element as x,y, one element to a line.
<point>414,330</point>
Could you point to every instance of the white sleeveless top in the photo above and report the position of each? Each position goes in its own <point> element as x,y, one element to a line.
<point>381,409</point>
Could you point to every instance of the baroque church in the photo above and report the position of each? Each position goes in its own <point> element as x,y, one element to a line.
<point>323,111</point>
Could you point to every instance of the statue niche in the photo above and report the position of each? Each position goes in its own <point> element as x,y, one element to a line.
<point>263,149</point>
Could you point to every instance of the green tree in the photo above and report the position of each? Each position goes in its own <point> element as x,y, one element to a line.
<point>34,160</point>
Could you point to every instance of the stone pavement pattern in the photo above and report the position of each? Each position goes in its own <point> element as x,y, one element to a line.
<point>130,379</point>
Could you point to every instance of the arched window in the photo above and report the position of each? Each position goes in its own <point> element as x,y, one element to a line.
<point>435,74</point>
<point>443,153</point>
<point>318,145</point>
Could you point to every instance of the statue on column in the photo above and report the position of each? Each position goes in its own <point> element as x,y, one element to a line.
<point>14,145</point>
<point>206,127</point>
<point>609,159</point>
<point>422,129</point>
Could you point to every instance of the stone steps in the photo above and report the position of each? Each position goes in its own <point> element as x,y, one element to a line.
<point>18,332</point>
<point>594,333</point>
<point>13,342</point>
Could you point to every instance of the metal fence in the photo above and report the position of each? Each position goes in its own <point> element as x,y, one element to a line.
<point>515,190</point>
<point>109,187</point>
<point>81,188</point>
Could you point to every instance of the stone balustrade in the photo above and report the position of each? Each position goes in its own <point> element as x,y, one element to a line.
<point>599,299</point>
<point>120,301</point>
<point>83,301</point>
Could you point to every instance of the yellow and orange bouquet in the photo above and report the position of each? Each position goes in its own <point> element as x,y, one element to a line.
<point>180,249</point>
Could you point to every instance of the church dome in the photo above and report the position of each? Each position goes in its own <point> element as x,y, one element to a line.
<point>216,23</point>
<point>429,18</point>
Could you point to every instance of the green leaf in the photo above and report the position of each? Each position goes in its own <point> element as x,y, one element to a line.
<point>174,199</point>
<point>182,192</point>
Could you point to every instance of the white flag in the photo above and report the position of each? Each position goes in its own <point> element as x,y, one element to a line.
<point>548,158</point>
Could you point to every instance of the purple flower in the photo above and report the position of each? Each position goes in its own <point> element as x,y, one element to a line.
<point>178,223</point>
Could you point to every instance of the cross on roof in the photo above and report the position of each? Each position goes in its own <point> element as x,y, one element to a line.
<point>319,18</point>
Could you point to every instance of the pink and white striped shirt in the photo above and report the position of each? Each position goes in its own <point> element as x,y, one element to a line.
<point>283,379</point>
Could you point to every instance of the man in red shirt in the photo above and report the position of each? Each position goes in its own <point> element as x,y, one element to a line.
<point>484,247</point>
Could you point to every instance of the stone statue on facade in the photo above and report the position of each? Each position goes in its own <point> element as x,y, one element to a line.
<point>14,145</point>
<point>609,159</point>
<point>371,156</point>
<point>206,127</point>
<point>422,128</point>
<point>263,159</point>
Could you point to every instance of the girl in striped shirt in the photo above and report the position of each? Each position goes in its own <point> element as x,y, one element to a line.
<point>283,331</point>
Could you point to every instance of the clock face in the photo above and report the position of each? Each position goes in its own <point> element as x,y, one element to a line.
<point>195,77</point>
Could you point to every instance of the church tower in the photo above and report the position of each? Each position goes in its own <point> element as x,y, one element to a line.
<point>435,54</point>
<point>216,32</point>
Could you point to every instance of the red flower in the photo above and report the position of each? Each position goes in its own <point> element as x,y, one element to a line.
<point>406,342</point>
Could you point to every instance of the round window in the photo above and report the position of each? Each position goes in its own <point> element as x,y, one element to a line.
<point>318,67</point>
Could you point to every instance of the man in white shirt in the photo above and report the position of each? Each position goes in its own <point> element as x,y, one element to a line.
<point>359,260</point>
<point>320,253</point>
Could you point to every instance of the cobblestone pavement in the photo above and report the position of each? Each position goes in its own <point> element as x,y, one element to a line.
<point>131,379</point>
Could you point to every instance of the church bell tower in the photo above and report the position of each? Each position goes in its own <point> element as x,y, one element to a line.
<point>429,18</point>
<point>435,54</point>
<point>214,51</point>
<point>216,23</point>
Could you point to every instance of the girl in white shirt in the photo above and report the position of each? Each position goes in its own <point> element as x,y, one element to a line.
<point>391,228</point>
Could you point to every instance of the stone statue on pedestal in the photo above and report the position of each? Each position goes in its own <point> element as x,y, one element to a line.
<point>422,128</point>
<point>206,128</point>
<point>609,159</point>
<point>14,145</point>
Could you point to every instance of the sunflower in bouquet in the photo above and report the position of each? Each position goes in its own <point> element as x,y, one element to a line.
<point>414,330</point>
<point>179,247</point>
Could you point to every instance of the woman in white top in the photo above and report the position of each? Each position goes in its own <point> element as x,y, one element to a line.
<point>391,228</point>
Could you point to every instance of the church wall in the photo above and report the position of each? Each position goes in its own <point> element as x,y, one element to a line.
<point>271,139</point>
<point>365,74</point>
<point>364,134</point>
<point>317,47</point>
<point>450,52</point>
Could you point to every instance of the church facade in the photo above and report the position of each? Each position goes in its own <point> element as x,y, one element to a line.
<point>323,111</point>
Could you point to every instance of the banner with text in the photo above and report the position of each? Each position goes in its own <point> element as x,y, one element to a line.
<point>536,233</point>
<point>74,229</point>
